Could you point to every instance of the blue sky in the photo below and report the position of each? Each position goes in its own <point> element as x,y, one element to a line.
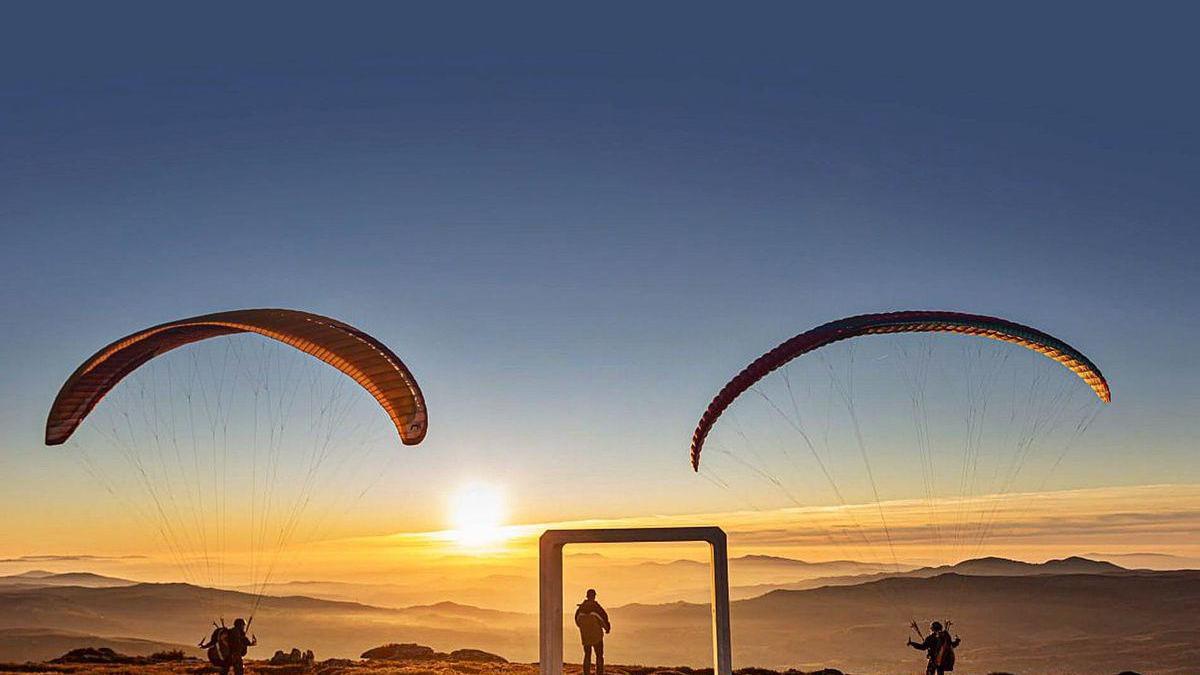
<point>576,224</point>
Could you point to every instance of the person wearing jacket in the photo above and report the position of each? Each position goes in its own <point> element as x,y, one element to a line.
<point>593,623</point>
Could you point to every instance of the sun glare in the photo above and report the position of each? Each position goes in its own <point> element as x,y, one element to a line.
<point>478,515</point>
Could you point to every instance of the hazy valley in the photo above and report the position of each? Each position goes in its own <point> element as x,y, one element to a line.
<point>1073,615</point>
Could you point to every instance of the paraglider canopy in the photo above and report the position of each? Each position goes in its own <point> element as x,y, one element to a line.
<point>898,322</point>
<point>366,360</point>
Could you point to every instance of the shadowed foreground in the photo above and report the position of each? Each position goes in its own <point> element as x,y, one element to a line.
<point>338,666</point>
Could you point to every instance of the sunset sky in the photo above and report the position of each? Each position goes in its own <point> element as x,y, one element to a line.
<point>574,236</point>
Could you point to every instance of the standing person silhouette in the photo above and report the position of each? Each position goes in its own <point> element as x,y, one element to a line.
<point>593,624</point>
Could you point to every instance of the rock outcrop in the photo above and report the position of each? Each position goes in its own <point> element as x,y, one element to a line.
<point>293,657</point>
<point>410,651</point>
<point>106,655</point>
<point>97,655</point>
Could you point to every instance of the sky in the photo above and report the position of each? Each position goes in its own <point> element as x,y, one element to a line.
<point>576,224</point>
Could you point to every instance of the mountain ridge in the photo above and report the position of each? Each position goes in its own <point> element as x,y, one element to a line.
<point>985,566</point>
<point>1101,621</point>
<point>44,578</point>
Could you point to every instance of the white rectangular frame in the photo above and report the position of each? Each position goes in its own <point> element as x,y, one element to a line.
<point>550,576</point>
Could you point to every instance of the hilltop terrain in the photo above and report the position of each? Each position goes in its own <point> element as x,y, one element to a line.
<point>19,645</point>
<point>40,578</point>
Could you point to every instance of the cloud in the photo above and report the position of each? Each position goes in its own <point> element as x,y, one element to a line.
<point>1035,525</point>
<point>1032,526</point>
<point>1164,517</point>
<point>69,558</point>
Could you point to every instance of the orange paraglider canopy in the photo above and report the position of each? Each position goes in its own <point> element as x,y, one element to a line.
<point>367,360</point>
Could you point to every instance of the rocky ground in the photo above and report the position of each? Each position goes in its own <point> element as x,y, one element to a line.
<point>339,667</point>
<point>391,659</point>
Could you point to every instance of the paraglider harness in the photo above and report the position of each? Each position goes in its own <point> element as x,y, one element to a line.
<point>220,647</point>
<point>942,654</point>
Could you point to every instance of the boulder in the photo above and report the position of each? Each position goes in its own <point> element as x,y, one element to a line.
<point>407,651</point>
<point>95,655</point>
<point>476,656</point>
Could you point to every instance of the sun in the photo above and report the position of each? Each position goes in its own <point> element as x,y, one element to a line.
<point>478,515</point>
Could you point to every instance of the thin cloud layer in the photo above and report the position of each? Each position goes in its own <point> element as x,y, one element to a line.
<point>70,558</point>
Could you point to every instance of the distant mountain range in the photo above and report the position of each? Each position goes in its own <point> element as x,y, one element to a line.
<point>41,578</point>
<point>623,581</point>
<point>976,567</point>
<point>515,588</point>
<point>1071,615</point>
<point>1004,567</point>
